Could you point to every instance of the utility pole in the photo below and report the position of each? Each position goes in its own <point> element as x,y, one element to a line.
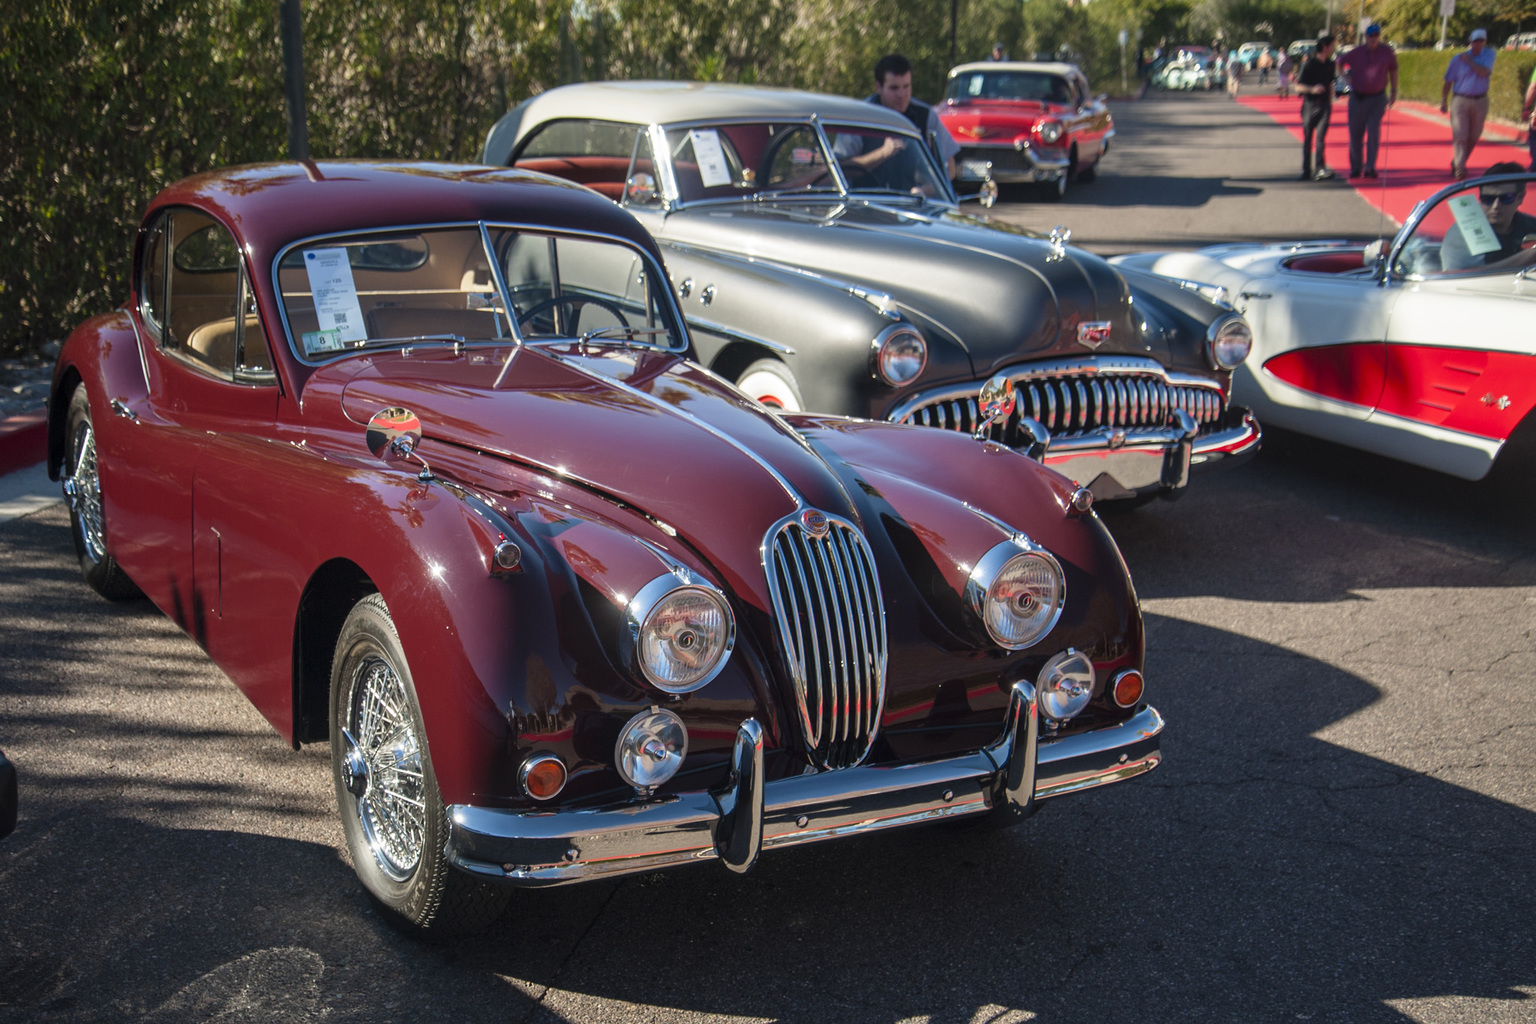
<point>954,30</point>
<point>293,80</point>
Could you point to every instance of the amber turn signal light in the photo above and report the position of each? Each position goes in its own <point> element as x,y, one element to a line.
<point>1126,688</point>
<point>543,776</point>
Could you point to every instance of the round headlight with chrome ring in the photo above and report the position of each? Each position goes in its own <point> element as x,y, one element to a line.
<point>1050,131</point>
<point>1018,590</point>
<point>651,748</point>
<point>678,632</point>
<point>1065,685</point>
<point>900,354</point>
<point>1228,341</point>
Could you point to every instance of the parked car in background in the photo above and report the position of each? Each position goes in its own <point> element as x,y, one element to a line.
<point>1189,73</point>
<point>818,279</point>
<point>1521,41</point>
<point>1300,50</point>
<point>1421,347</point>
<point>418,456</point>
<point>1026,122</point>
<point>1249,53</point>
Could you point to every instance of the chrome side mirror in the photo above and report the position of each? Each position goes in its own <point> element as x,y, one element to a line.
<point>996,402</point>
<point>640,190</point>
<point>987,194</point>
<point>392,437</point>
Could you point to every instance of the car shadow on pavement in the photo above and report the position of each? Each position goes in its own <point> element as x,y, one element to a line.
<point>1171,192</point>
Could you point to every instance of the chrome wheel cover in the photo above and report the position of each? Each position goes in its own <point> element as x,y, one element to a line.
<point>385,751</point>
<point>82,490</point>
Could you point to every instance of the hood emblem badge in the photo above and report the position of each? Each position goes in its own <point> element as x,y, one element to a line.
<point>815,522</point>
<point>1093,334</point>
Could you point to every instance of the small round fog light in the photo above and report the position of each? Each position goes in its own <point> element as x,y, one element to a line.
<point>543,776</point>
<point>1126,687</point>
<point>651,748</point>
<point>1065,685</point>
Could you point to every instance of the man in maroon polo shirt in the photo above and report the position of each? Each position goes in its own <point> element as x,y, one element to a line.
<point>1372,69</point>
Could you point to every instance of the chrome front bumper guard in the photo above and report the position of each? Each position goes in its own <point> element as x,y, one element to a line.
<point>1121,464</point>
<point>1040,168</point>
<point>747,815</point>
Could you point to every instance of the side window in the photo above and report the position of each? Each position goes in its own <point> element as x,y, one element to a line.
<point>152,275</point>
<point>210,314</point>
<point>596,154</point>
<point>640,185</point>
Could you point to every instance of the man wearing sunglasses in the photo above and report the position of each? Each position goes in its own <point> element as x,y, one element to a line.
<point>1501,204</point>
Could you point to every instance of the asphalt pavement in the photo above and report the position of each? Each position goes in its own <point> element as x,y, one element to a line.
<point>1344,828</point>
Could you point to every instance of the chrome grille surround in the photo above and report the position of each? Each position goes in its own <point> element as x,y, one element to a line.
<point>830,620</point>
<point>1075,396</point>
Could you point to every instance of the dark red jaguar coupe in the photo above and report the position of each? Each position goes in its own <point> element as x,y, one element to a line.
<point>416,453</point>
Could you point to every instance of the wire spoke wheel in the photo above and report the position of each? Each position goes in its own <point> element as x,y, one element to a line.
<point>392,807</point>
<point>82,489</point>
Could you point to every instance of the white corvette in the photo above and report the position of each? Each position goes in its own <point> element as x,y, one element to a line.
<point>1421,347</point>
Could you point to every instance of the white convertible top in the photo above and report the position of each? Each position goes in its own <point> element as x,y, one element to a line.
<point>658,102</point>
<point>1049,67</point>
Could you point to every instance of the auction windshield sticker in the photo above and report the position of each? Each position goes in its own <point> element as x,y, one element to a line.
<point>336,305</point>
<point>1473,222</point>
<point>713,170</point>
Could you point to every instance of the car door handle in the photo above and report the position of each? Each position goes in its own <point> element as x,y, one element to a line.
<point>121,408</point>
<point>1254,295</point>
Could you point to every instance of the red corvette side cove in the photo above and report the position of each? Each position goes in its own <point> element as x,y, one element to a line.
<point>417,454</point>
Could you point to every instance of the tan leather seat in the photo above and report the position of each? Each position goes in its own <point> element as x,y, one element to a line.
<point>414,322</point>
<point>214,344</point>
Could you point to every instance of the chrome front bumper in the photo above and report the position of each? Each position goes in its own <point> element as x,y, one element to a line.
<point>748,815</point>
<point>1121,464</point>
<point>1012,163</point>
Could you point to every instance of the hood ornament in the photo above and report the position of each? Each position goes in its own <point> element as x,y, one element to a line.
<point>1092,334</point>
<point>814,522</point>
<point>1060,236</point>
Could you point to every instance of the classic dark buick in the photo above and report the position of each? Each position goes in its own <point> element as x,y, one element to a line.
<point>417,455</point>
<point>822,262</point>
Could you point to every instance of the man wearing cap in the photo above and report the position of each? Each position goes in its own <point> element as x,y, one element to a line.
<point>1466,87</point>
<point>1372,69</point>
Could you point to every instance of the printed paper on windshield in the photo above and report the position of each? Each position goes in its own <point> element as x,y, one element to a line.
<point>713,170</point>
<point>1473,222</point>
<point>330,280</point>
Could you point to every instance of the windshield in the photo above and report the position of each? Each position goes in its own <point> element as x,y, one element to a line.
<point>393,288</point>
<point>1009,85</point>
<point>1481,228</point>
<point>736,161</point>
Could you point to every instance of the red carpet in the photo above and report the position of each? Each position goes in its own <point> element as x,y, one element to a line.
<point>1415,157</point>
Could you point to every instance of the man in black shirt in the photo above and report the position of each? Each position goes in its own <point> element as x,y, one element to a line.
<point>1316,87</point>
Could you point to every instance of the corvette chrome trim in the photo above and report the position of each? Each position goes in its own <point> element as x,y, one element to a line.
<point>548,846</point>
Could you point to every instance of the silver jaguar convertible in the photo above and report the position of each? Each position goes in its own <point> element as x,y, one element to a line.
<point>823,263</point>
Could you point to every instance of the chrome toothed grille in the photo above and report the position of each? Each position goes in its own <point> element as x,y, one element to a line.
<point>1081,398</point>
<point>831,627</point>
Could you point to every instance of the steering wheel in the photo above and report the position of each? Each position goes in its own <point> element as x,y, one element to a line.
<point>859,177</point>
<point>576,302</point>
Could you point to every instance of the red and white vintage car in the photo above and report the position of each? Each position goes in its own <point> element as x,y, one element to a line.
<point>416,453</point>
<point>1018,121</point>
<point>1421,347</point>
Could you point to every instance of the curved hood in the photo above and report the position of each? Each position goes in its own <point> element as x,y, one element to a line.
<point>650,431</point>
<point>995,121</point>
<point>1001,293</point>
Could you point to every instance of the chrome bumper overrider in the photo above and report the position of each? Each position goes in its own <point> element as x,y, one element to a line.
<point>1118,464</point>
<point>1011,163</point>
<point>748,815</point>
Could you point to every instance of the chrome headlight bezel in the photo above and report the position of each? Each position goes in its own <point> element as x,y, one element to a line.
<point>891,354</point>
<point>1050,131</point>
<point>1220,338</point>
<point>985,602</point>
<point>639,618</point>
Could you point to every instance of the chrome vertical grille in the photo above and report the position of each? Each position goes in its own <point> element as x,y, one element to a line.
<point>1075,403</point>
<point>831,627</point>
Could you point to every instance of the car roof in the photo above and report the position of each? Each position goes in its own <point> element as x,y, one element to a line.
<point>271,205</point>
<point>1049,67</point>
<point>663,102</point>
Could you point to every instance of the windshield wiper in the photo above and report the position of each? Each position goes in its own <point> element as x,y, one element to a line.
<point>780,193</point>
<point>617,332</point>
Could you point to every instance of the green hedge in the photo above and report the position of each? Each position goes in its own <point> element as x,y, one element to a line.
<point>1421,72</point>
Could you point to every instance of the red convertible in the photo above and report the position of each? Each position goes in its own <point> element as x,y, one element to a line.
<point>417,454</point>
<point>1026,122</point>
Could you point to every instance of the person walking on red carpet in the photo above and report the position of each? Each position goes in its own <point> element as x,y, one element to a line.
<point>1528,115</point>
<point>1315,83</point>
<point>1466,88</point>
<point>1371,67</point>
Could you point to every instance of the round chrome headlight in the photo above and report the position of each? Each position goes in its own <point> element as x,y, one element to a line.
<point>1018,590</point>
<point>1050,131</point>
<point>1230,339</point>
<point>651,748</point>
<point>679,632</point>
<point>1065,685</point>
<point>900,354</point>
